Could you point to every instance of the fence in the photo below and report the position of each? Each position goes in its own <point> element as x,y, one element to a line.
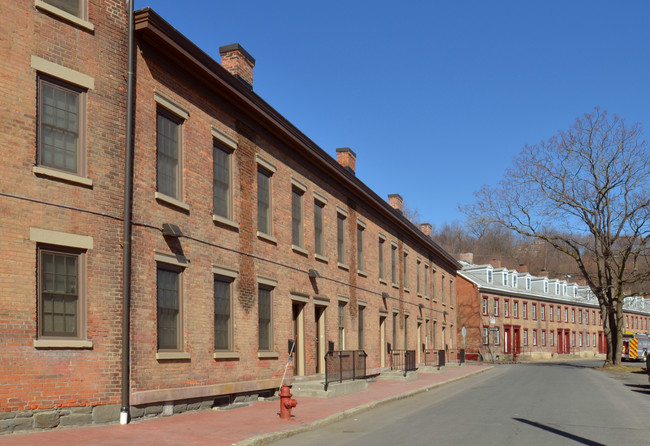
<point>403,360</point>
<point>343,365</point>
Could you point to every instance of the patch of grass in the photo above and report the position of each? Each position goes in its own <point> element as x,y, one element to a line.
<point>621,369</point>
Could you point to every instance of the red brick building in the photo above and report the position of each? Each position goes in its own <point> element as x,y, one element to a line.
<point>287,241</point>
<point>62,103</point>
<point>245,233</point>
<point>507,314</point>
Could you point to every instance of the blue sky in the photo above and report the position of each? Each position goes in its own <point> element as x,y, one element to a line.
<point>434,97</point>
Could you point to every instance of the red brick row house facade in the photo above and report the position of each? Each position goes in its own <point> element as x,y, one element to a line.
<point>508,314</point>
<point>245,234</point>
<point>63,108</point>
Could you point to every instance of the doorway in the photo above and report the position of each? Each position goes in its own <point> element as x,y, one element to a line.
<point>319,347</point>
<point>418,346</point>
<point>298,334</point>
<point>382,340</point>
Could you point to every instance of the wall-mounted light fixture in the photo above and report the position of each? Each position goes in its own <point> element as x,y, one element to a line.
<point>313,274</point>
<point>171,230</point>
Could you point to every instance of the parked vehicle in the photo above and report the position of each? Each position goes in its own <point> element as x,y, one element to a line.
<point>635,347</point>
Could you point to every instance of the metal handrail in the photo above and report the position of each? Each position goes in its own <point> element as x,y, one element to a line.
<point>344,365</point>
<point>403,360</point>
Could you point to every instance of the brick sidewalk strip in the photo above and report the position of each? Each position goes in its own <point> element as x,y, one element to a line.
<point>247,426</point>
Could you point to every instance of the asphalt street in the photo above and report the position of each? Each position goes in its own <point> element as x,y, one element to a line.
<point>559,403</point>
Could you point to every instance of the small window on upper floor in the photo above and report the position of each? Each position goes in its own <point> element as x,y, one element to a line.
<point>505,279</point>
<point>527,283</point>
<point>489,276</point>
<point>168,158</point>
<point>222,190</point>
<point>264,209</point>
<point>61,144</point>
<point>514,281</point>
<point>72,11</point>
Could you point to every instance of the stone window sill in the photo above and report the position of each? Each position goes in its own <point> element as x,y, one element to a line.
<point>268,355</point>
<point>226,355</point>
<point>59,175</point>
<point>172,355</point>
<point>225,221</point>
<point>321,258</point>
<point>172,201</point>
<point>62,343</point>
<point>267,237</point>
<point>299,250</point>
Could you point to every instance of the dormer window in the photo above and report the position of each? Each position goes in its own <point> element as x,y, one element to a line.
<point>557,288</point>
<point>505,279</point>
<point>527,283</point>
<point>545,286</point>
<point>564,290</point>
<point>489,276</point>
<point>514,281</point>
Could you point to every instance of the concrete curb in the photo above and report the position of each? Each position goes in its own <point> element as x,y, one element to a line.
<point>274,436</point>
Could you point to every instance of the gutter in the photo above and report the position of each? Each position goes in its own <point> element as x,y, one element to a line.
<point>126,243</point>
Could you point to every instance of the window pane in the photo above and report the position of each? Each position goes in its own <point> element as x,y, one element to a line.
<point>263,201</point>
<point>221,181</point>
<point>59,294</point>
<point>70,6</point>
<point>264,307</point>
<point>221,314</point>
<point>296,217</point>
<point>318,227</point>
<point>380,259</point>
<point>360,264</point>
<point>168,309</point>
<point>340,243</point>
<point>59,127</point>
<point>168,155</point>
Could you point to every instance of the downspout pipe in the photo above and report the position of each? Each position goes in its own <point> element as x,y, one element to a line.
<point>126,243</point>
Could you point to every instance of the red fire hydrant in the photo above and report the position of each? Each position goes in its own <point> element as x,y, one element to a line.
<point>286,403</point>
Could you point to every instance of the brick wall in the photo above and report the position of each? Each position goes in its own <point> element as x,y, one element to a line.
<point>42,378</point>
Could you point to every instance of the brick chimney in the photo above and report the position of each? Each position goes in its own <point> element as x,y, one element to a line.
<point>426,229</point>
<point>467,257</point>
<point>522,268</point>
<point>347,158</point>
<point>396,202</point>
<point>495,263</point>
<point>238,62</point>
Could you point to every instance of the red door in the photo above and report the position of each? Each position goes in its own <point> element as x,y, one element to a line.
<point>560,342</point>
<point>567,345</point>
<point>517,343</point>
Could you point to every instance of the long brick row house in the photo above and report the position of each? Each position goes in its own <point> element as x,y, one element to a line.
<point>245,234</point>
<point>509,313</point>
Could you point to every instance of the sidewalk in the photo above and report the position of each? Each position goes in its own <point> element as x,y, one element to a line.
<point>253,425</point>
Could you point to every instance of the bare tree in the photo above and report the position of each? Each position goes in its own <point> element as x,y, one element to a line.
<point>586,193</point>
<point>411,214</point>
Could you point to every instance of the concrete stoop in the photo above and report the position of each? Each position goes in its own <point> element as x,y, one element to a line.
<point>316,389</point>
<point>396,375</point>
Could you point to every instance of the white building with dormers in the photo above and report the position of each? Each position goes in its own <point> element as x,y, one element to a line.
<point>509,313</point>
